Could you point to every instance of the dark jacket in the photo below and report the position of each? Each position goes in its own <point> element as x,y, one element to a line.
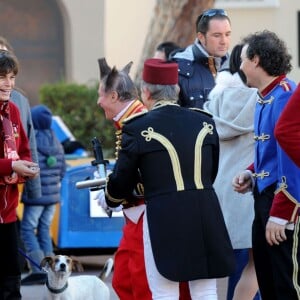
<point>33,186</point>
<point>176,151</point>
<point>196,79</point>
<point>51,158</point>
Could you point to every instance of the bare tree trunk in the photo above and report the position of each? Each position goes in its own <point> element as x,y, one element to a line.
<point>173,20</point>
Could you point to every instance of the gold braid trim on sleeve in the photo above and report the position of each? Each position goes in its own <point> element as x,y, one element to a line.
<point>140,189</point>
<point>114,200</point>
<point>283,188</point>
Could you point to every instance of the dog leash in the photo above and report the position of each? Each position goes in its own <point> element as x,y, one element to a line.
<point>32,261</point>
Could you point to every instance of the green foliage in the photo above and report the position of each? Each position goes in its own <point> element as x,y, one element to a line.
<point>77,106</point>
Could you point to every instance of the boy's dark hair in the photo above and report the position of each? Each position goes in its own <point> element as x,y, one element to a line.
<point>8,63</point>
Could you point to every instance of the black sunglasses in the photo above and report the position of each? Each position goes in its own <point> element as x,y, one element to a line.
<point>213,12</point>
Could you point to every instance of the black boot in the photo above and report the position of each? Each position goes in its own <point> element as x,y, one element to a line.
<point>34,278</point>
<point>10,289</point>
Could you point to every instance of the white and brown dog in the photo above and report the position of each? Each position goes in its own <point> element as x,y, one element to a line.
<point>60,286</point>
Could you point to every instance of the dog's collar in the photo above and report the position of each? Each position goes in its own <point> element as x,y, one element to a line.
<point>56,291</point>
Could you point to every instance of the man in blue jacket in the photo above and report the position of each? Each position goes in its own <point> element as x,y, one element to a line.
<point>199,63</point>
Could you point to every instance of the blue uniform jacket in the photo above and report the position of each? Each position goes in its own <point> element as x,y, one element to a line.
<point>271,164</point>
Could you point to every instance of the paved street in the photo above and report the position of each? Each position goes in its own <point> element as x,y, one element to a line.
<point>92,266</point>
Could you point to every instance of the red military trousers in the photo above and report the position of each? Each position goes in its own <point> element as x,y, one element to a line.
<point>129,277</point>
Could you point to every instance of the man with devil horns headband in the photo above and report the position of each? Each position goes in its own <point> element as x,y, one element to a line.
<point>118,98</point>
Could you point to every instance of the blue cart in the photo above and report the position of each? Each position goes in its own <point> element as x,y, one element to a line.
<point>79,223</point>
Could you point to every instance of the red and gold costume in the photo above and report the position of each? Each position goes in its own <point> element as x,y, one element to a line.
<point>287,130</point>
<point>129,278</point>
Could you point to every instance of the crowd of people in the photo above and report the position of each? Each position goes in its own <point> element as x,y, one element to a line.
<point>207,169</point>
<point>256,181</point>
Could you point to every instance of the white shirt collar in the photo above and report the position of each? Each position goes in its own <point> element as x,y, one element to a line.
<point>122,112</point>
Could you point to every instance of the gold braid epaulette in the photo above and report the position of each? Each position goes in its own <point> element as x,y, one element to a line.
<point>134,116</point>
<point>201,110</point>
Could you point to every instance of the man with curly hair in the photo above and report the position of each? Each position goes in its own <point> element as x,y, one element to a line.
<point>273,177</point>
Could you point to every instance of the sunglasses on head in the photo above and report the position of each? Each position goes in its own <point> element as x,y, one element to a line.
<point>213,12</point>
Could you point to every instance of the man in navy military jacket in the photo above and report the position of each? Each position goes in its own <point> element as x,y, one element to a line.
<point>175,150</point>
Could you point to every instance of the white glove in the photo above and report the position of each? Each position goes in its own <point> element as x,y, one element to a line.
<point>116,209</point>
<point>96,174</point>
<point>100,197</point>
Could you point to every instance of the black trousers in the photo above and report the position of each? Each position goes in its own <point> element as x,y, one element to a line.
<point>10,271</point>
<point>276,266</point>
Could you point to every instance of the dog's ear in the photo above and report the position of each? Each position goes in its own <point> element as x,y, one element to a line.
<point>46,261</point>
<point>77,266</point>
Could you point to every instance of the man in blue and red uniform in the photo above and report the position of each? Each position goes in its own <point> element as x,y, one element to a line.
<point>275,179</point>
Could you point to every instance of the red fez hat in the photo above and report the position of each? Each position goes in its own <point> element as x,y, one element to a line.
<point>158,71</point>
